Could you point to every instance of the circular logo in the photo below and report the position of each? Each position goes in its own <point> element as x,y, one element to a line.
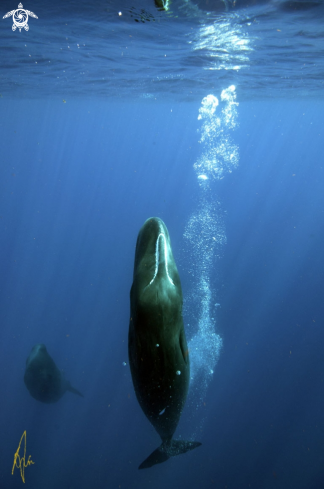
<point>20,18</point>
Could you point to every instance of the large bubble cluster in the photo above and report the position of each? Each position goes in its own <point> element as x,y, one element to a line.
<point>219,154</point>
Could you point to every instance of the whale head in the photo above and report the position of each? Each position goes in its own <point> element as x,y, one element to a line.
<point>154,266</point>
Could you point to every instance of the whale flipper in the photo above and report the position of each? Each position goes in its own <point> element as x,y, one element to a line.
<point>164,452</point>
<point>72,389</point>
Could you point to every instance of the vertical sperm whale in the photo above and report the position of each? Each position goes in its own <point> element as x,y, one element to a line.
<point>157,347</point>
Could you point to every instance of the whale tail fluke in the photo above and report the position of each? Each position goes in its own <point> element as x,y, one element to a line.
<point>167,450</point>
<point>72,389</point>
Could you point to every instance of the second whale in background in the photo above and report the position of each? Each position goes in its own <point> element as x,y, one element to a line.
<point>157,347</point>
<point>43,379</point>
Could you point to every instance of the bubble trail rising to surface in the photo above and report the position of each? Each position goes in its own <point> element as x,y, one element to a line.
<point>220,155</point>
<point>205,236</point>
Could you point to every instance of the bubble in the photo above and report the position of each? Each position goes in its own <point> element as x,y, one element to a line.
<point>220,154</point>
<point>205,238</point>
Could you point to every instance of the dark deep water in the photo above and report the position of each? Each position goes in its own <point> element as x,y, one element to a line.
<point>78,178</point>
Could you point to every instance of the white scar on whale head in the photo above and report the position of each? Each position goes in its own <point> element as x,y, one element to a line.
<point>160,237</point>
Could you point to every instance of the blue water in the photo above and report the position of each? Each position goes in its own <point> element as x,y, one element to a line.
<point>241,192</point>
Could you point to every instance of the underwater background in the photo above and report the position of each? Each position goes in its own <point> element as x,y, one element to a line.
<point>209,116</point>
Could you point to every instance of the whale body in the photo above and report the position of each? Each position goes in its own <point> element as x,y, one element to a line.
<point>157,347</point>
<point>42,377</point>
